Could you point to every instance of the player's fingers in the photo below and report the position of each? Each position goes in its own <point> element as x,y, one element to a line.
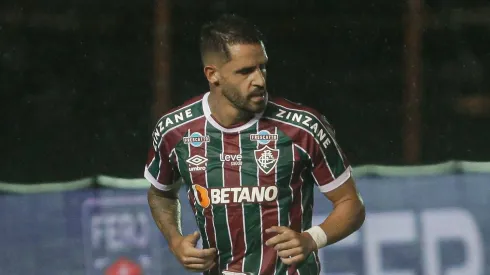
<point>200,267</point>
<point>193,238</point>
<point>194,260</point>
<point>207,253</point>
<point>290,252</point>
<point>293,260</point>
<point>287,245</point>
<point>277,229</point>
<point>200,253</point>
<point>280,238</point>
<point>210,265</point>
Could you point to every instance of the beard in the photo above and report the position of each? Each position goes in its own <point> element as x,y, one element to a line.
<point>245,103</point>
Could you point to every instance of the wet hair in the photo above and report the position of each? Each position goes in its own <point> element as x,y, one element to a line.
<point>227,30</point>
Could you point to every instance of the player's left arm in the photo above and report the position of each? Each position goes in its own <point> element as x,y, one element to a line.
<point>347,216</point>
<point>332,174</point>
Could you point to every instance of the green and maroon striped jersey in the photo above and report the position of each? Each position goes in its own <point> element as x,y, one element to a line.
<point>242,180</point>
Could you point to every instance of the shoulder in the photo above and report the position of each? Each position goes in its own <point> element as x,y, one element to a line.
<point>176,117</point>
<point>286,103</point>
<point>295,113</point>
<point>306,121</point>
<point>181,108</point>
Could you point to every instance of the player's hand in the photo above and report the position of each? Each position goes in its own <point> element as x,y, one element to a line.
<point>292,247</point>
<point>192,258</point>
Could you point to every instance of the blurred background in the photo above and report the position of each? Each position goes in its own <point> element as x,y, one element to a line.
<point>405,84</point>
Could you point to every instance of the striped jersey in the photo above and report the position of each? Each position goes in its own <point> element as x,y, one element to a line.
<point>242,180</point>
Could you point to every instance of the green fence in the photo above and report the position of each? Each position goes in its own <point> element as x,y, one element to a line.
<point>104,181</point>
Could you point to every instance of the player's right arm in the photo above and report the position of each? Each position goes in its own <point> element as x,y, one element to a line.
<point>165,208</point>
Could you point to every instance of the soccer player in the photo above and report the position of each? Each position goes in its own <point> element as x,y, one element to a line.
<point>250,164</point>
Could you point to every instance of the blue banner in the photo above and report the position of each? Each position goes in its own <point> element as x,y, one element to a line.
<point>437,225</point>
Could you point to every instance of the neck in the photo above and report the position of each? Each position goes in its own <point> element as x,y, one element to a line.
<point>225,112</point>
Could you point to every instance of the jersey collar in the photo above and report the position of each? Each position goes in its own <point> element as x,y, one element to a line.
<point>209,117</point>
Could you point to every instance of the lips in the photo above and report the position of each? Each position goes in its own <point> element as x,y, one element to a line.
<point>257,94</point>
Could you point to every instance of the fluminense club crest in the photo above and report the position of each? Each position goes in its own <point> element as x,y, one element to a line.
<point>266,158</point>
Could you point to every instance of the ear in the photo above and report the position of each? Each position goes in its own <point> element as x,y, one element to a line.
<point>212,74</point>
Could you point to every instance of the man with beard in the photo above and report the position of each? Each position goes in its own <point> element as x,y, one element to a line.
<point>250,164</point>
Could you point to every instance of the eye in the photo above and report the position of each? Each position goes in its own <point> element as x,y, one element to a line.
<point>246,71</point>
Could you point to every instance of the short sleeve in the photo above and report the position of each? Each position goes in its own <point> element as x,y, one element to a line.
<point>159,170</point>
<point>330,167</point>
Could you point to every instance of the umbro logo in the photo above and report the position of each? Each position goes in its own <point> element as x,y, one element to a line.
<point>196,163</point>
<point>197,160</point>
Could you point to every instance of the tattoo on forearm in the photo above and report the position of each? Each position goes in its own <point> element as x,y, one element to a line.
<point>166,213</point>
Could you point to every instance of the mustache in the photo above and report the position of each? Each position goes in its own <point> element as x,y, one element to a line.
<point>257,92</point>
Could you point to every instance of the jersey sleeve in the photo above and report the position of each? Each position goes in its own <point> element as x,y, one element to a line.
<point>330,167</point>
<point>159,169</point>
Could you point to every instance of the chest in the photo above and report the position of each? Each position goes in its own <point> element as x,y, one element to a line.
<point>219,160</point>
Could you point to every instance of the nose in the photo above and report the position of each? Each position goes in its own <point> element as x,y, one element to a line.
<point>258,78</point>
